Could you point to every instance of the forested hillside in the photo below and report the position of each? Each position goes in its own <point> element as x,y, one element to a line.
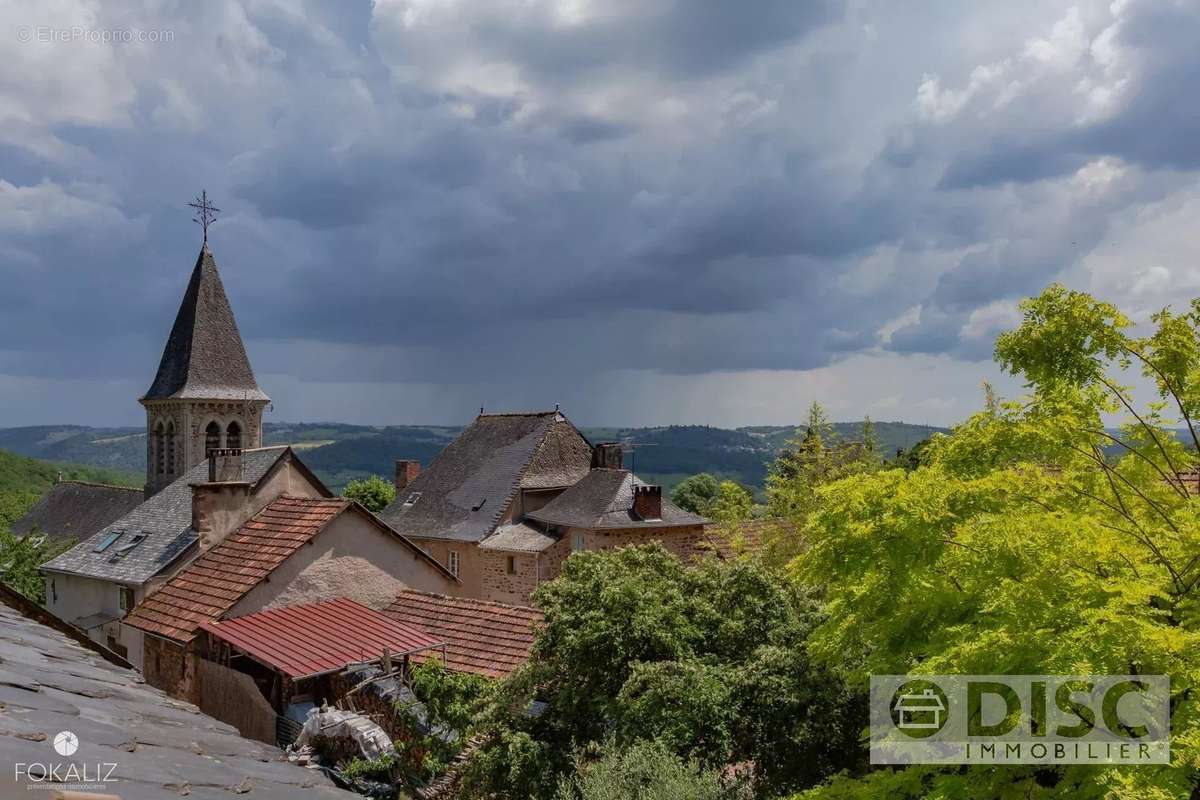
<point>340,453</point>
<point>21,474</point>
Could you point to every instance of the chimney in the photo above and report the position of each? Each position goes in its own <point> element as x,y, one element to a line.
<point>225,464</point>
<point>608,455</point>
<point>647,502</point>
<point>407,471</point>
<point>219,509</point>
<point>222,504</point>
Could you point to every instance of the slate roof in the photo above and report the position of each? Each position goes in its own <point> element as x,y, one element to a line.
<point>205,357</point>
<point>51,682</point>
<point>464,492</point>
<point>518,537</point>
<point>604,499</point>
<point>76,509</point>
<point>482,636</point>
<point>219,577</point>
<point>212,584</point>
<point>166,519</point>
<point>318,638</point>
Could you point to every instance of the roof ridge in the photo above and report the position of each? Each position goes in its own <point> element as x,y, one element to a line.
<point>468,600</point>
<point>519,413</point>
<point>99,485</point>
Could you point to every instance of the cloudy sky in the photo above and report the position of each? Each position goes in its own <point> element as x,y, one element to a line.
<point>649,211</point>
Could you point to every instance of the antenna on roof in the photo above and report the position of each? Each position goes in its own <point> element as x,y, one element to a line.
<point>632,447</point>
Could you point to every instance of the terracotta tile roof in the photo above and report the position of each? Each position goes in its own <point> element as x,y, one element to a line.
<point>482,637</point>
<point>748,537</point>
<point>317,638</point>
<point>217,579</point>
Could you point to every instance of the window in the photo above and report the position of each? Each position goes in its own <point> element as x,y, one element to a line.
<point>212,438</point>
<point>412,498</point>
<point>170,444</point>
<point>159,451</point>
<point>106,541</point>
<point>577,541</point>
<point>233,436</point>
<point>512,565</point>
<point>454,563</point>
<point>53,590</point>
<point>124,598</point>
<point>126,546</point>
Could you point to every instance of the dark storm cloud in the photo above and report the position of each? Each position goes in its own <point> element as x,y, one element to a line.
<point>553,191</point>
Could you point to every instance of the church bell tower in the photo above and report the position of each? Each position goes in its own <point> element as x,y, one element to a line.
<point>204,395</point>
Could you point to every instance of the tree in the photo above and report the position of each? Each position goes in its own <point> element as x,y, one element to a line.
<point>807,463</point>
<point>696,494</point>
<point>646,771</point>
<point>374,492</point>
<point>637,645</point>
<point>733,503</point>
<point>1032,540</point>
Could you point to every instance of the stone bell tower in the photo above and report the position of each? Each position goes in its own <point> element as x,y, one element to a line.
<point>204,395</point>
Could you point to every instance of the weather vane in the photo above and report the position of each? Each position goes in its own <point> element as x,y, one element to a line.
<point>206,213</point>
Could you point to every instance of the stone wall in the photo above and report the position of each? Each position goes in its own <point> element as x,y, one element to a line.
<point>497,584</point>
<point>170,667</point>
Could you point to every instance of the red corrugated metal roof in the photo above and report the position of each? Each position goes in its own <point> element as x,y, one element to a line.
<point>307,640</point>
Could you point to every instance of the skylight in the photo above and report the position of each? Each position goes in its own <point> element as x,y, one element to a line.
<point>125,547</point>
<point>107,541</point>
<point>412,498</point>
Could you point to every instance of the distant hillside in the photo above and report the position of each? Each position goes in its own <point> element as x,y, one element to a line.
<point>21,474</point>
<point>339,453</point>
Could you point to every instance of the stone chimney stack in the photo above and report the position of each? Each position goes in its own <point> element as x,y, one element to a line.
<point>407,471</point>
<point>223,503</point>
<point>608,455</point>
<point>647,502</point>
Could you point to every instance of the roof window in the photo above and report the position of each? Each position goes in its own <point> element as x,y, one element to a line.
<point>412,499</point>
<point>106,541</point>
<point>125,547</point>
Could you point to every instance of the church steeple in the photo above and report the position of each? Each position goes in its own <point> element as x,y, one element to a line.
<point>204,395</point>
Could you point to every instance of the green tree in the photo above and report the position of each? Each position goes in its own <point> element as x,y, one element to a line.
<point>733,503</point>
<point>645,771</point>
<point>374,492</point>
<point>696,494</point>
<point>802,468</point>
<point>638,644</point>
<point>1032,540</point>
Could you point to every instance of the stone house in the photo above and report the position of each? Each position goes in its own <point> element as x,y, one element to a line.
<point>96,583</point>
<point>294,551</point>
<point>509,500</point>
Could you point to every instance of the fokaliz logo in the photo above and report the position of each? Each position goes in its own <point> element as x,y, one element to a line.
<point>66,775</point>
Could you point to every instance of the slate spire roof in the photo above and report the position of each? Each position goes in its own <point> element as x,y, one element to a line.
<point>204,357</point>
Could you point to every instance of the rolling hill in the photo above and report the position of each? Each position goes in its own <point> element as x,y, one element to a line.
<point>339,453</point>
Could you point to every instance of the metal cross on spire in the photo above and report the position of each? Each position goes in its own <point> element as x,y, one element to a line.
<point>206,213</point>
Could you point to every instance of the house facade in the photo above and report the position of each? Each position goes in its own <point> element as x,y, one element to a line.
<point>95,584</point>
<point>294,551</point>
<point>509,500</point>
